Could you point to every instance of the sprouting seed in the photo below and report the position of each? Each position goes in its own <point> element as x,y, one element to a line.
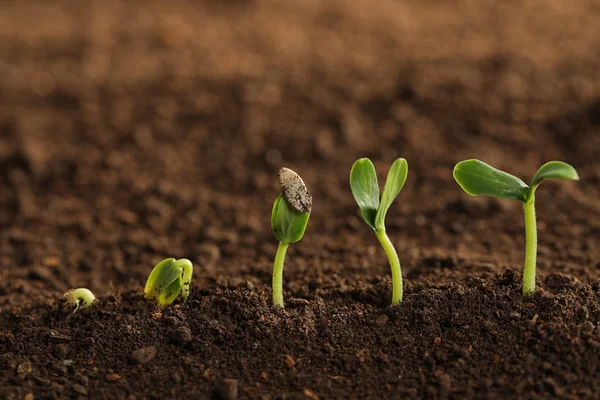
<point>365,189</point>
<point>80,298</point>
<point>168,279</point>
<point>480,179</point>
<point>289,219</point>
<point>294,190</point>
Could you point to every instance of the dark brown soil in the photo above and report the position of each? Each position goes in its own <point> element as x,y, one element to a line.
<point>135,131</point>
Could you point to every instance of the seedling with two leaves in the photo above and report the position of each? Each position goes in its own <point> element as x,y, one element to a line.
<point>289,219</point>
<point>167,280</point>
<point>365,189</point>
<point>480,179</point>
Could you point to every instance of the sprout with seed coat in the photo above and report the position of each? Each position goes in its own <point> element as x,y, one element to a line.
<point>480,179</point>
<point>365,189</point>
<point>289,218</point>
<point>80,298</point>
<point>168,279</point>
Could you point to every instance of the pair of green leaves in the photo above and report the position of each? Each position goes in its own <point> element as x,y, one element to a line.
<point>287,223</point>
<point>480,179</point>
<point>365,189</point>
<point>168,279</point>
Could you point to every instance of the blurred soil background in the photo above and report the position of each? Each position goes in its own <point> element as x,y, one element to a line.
<point>132,131</point>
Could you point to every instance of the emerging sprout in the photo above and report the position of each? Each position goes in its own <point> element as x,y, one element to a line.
<point>365,189</point>
<point>480,179</point>
<point>289,218</point>
<point>169,278</point>
<point>80,298</point>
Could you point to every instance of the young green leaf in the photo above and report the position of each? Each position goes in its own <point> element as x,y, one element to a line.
<point>287,223</point>
<point>554,170</point>
<point>365,189</point>
<point>171,292</point>
<point>480,179</point>
<point>168,279</point>
<point>393,185</point>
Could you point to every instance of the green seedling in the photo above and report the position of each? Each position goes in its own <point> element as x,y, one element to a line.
<point>365,189</point>
<point>80,298</point>
<point>289,218</point>
<point>168,279</point>
<point>480,179</point>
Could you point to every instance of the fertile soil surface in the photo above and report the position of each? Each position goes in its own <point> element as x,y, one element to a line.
<point>134,131</point>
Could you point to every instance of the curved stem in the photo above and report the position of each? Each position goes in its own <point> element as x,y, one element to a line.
<point>278,274</point>
<point>81,298</point>
<point>390,251</point>
<point>530,247</point>
<point>186,276</point>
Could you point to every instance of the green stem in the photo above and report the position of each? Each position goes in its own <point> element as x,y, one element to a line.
<point>394,264</point>
<point>530,247</point>
<point>278,274</point>
<point>186,276</point>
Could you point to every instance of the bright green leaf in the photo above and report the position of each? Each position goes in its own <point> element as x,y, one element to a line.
<point>393,185</point>
<point>365,189</point>
<point>554,170</point>
<point>287,223</point>
<point>170,293</point>
<point>161,277</point>
<point>168,279</point>
<point>480,179</point>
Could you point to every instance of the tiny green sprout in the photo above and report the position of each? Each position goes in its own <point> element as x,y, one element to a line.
<point>168,279</point>
<point>365,189</point>
<point>480,179</point>
<point>289,218</point>
<point>80,298</point>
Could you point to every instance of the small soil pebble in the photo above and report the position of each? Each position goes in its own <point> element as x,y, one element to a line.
<point>113,377</point>
<point>289,361</point>
<point>143,355</point>
<point>24,368</point>
<point>182,335</point>
<point>445,383</point>
<point>227,389</point>
<point>80,389</point>
<point>60,351</point>
<point>381,320</point>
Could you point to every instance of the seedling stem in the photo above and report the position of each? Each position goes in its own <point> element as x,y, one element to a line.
<point>530,247</point>
<point>392,256</point>
<point>278,274</point>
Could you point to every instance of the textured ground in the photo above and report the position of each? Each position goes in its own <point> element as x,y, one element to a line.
<point>134,131</point>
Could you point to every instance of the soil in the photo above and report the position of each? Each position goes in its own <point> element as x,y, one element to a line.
<point>135,131</point>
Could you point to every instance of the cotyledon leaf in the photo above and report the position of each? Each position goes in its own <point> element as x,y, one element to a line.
<point>393,185</point>
<point>480,179</point>
<point>554,170</point>
<point>287,223</point>
<point>365,189</point>
<point>161,277</point>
